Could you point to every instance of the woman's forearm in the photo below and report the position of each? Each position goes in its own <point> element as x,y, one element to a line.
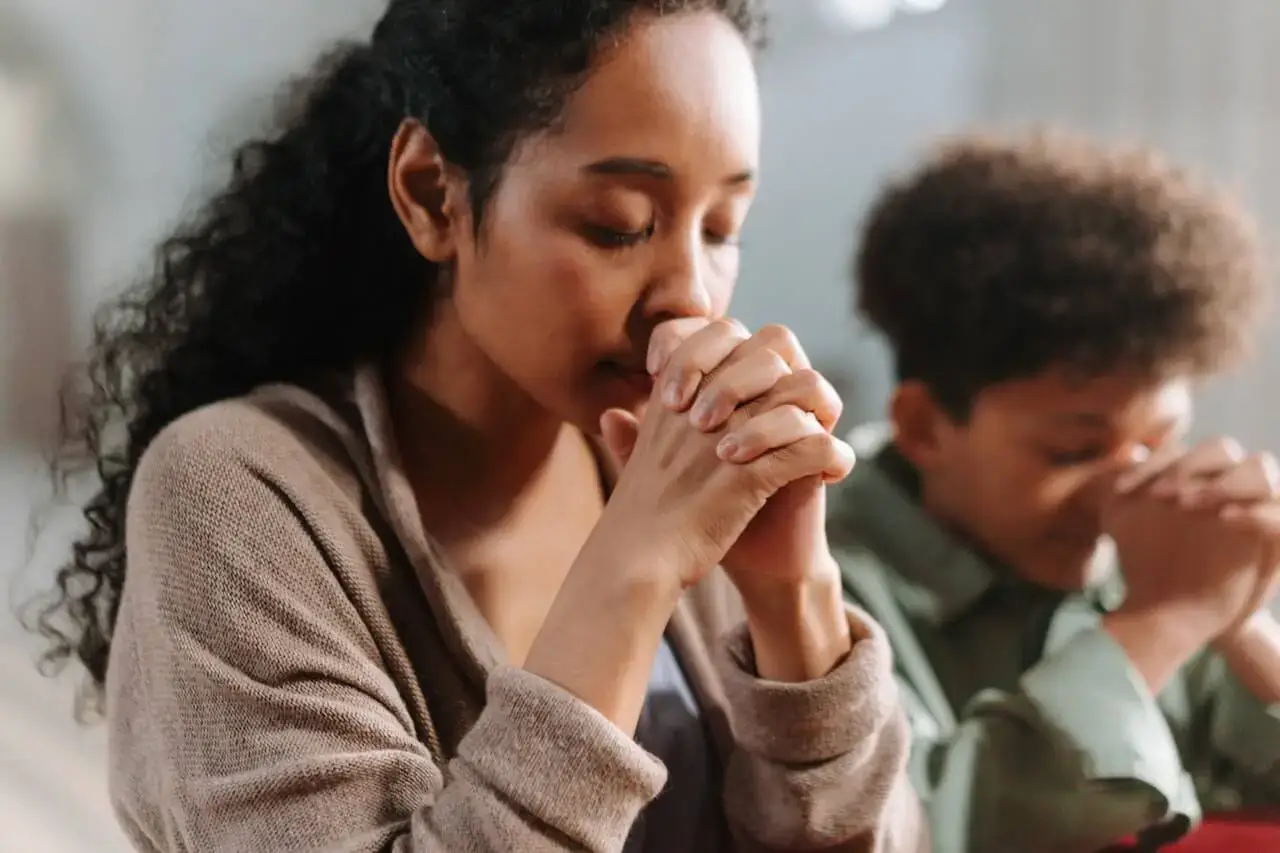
<point>599,639</point>
<point>799,630</point>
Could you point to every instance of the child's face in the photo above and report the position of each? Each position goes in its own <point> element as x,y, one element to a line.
<point>1022,476</point>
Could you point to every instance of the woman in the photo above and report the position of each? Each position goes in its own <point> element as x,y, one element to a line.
<point>372,405</point>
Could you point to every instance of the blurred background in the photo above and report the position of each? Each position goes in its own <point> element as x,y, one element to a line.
<point>114,117</point>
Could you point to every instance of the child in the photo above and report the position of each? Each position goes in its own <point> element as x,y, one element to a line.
<point>1050,305</point>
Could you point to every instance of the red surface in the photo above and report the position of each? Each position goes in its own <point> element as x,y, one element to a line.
<point>1228,834</point>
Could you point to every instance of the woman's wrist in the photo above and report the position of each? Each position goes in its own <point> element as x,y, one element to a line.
<point>800,629</point>
<point>600,637</point>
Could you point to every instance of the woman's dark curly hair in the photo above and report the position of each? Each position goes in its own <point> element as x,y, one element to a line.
<point>299,265</point>
<point>1002,256</point>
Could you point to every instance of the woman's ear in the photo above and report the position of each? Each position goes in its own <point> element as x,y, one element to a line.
<point>917,419</point>
<point>427,193</point>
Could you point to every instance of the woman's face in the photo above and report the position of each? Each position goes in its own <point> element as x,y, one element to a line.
<point>624,215</point>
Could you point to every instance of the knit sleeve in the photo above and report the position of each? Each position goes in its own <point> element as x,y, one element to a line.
<point>249,708</point>
<point>821,765</point>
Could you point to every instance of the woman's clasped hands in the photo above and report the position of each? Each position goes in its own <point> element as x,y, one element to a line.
<point>728,461</point>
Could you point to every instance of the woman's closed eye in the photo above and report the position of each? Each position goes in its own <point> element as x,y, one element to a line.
<point>607,237</point>
<point>615,238</point>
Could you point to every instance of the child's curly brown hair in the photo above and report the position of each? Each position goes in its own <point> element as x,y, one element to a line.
<point>1002,257</point>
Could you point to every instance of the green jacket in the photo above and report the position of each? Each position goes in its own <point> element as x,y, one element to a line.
<point>1029,723</point>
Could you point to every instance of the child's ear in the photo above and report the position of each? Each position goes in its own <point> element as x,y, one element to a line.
<point>916,418</point>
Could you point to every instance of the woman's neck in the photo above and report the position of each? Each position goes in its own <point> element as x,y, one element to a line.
<point>508,491</point>
<point>475,446</point>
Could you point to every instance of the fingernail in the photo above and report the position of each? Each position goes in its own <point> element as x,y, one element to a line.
<point>653,363</point>
<point>1232,512</point>
<point>703,413</point>
<point>673,394</point>
<point>685,392</point>
<point>728,448</point>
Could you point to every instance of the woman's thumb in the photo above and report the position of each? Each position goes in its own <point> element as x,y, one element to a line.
<point>619,429</point>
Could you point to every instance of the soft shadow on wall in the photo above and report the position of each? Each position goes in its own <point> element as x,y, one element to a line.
<point>52,794</point>
<point>38,160</point>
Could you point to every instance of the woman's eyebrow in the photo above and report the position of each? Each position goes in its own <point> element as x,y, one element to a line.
<point>627,166</point>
